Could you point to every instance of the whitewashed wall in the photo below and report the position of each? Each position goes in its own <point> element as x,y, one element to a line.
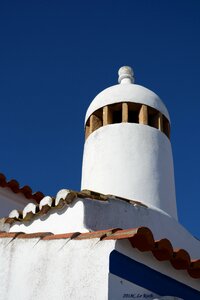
<point>59,269</point>
<point>84,215</point>
<point>133,161</point>
<point>71,269</point>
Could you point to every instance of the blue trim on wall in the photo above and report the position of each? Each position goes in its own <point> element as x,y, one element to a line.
<point>139,274</point>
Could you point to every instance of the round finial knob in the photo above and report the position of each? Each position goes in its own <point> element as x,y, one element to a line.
<point>126,75</point>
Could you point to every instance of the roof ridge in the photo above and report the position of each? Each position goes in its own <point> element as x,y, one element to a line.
<point>63,198</point>
<point>15,188</point>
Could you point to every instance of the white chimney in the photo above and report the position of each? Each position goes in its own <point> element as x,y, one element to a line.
<point>127,150</point>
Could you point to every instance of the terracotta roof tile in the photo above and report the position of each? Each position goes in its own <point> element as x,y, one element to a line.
<point>44,210</point>
<point>101,234</point>
<point>140,238</point>
<point>25,190</point>
<point>162,250</point>
<point>40,235</point>
<point>71,235</point>
<point>180,259</point>
<point>13,235</point>
<point>194,269</point>
<point>68,199</point>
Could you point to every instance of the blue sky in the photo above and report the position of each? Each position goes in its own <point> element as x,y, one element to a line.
<point>55,56</point>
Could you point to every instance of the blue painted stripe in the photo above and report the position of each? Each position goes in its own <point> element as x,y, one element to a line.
<point>139,274</point>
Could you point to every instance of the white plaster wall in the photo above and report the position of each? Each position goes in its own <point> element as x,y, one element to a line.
<point>68,219</point>
<point>10,200</point>
<point>119,288</point>
<point>58,269</point>
<point>127,93</point>
<point>69,269</point>
<point>91,215</point>
<point>119,214</point>
<point>133,161</point>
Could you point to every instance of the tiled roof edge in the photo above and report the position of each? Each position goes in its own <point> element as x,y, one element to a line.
<point>15,188</point>
<point>140,238</point>
<point>48,203</point>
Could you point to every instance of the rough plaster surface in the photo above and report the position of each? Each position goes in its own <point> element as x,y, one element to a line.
<point>127,93</point>
<point>69,269</point>
<point>91,215</point>
<point>119,288</point>
<point>133,161</point>
<point>68,219</point>
<point>59,269</point>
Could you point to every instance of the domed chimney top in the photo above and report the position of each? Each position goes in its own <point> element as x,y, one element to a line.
<point>127,91</point>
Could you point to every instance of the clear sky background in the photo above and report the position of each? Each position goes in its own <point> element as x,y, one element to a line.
<point>55,56</point>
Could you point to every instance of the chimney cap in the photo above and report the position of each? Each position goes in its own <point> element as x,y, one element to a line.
<point>126,75</point>
<point>126,92</point>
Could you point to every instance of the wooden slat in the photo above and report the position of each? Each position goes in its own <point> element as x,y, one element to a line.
<point>107,115</point>
<point>160,121</point>
<point>124,112</point>
<point>95,123</point>
<point>143,115</point>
